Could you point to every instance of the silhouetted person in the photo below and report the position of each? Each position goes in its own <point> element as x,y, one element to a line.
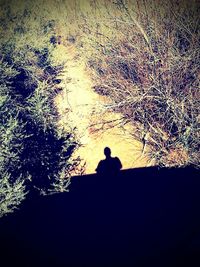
<point>109,166</point>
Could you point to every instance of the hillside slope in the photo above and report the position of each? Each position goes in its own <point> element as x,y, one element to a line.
<point>146,217</point>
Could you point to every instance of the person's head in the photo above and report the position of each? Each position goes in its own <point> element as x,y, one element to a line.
<point>107,152</point>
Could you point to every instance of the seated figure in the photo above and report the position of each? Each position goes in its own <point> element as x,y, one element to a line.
<point>110,165</point>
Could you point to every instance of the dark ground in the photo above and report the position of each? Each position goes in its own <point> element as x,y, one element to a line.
<point>145,217</point>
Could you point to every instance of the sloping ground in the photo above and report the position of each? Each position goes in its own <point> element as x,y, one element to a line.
<point>96,127</point>
<point>145,217</point>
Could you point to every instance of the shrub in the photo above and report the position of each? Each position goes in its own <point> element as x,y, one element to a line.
<point>150,73</point>
<point>35,152</point>
<point>11,193</point>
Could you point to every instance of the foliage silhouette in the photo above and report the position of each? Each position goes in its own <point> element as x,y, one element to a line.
<point>35,152</point>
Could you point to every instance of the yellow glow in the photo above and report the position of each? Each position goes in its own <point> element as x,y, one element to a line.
<point>84,109</point>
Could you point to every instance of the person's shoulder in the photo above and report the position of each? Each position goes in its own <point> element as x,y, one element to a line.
<point>100,162</point>
<point>118,162</point>
<point>99,166</point>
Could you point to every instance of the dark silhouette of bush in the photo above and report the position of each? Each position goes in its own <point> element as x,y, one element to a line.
<point>35,153</point>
